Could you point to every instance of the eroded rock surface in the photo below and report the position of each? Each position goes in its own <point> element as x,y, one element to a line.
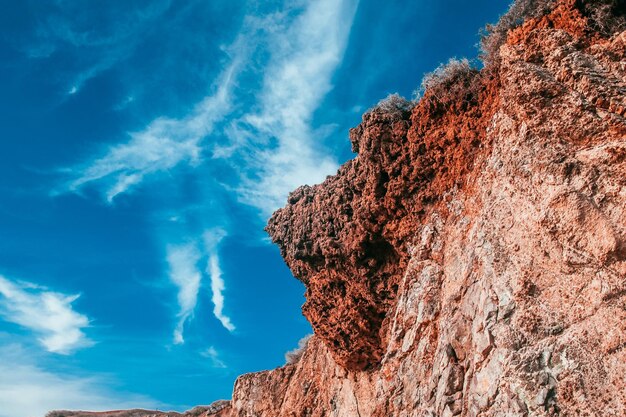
<point>472,259</point>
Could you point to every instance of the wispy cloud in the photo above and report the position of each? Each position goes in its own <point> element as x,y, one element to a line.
<point>212,354</point>
<point>97,38</point>
<point>272,144</point>
<point>212,239</point>
<point>304,57</point>
<point>161,146</point>
<point>184,273</point>
<point>183,263</point>
<point>27,390</point>
<point>48,314</point>
<point>262,131</point>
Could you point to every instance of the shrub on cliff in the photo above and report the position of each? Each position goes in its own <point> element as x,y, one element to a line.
<point>293,356</point>
<point>494,36</point>
<point>605,16</point>
<point>203,409</point>
<point>448,80</point>
<point>444,75</point>
<point>394,104</point>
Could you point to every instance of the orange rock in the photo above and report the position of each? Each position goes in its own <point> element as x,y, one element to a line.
<point>471,260</point>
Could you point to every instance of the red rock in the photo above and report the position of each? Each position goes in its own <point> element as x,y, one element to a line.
<point>471,260</point>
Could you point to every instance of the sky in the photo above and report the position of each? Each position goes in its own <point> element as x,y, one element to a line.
<point>144,145</point>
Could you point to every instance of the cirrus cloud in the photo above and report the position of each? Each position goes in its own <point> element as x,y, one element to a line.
<point>183,273</point>
<point>48,314</point>
<point>211,239</point>
<point>161,146</point>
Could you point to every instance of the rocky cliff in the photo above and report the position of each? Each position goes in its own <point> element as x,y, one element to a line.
<point>471,260</point>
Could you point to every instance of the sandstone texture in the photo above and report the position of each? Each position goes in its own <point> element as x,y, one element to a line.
<point>471,260</point>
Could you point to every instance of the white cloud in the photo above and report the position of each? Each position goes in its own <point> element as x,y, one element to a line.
<point>183,273</point>
<point>161,146</point>
<point>212,239</point>
<point>272,144</point>
<point>27,390</point>
<point>183,262</point>
<point>212,354</point>
<point>304,57</point>
<point>292,57</point>
<point>48,314</point>
<point>217,288</point>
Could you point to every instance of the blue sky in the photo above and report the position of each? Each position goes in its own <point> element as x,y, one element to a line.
<point>144,145</point>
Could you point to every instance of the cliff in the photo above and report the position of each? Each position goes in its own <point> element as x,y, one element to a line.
<point>471,260</point>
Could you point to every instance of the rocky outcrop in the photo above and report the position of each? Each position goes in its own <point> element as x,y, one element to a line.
<point>471,260</point>
<point>349,239</point>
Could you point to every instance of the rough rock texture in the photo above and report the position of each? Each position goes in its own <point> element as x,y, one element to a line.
<point>472,259</point>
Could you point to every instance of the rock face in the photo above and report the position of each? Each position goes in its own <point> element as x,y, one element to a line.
<point>471,260</point>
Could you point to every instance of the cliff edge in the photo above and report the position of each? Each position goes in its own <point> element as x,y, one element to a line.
<point>471,260</point>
